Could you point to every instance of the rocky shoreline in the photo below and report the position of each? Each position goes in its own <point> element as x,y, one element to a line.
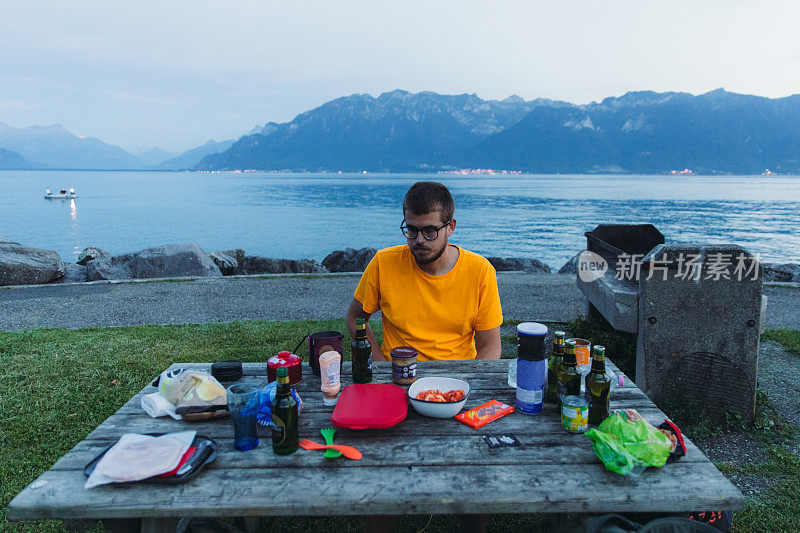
<point>24,265</point>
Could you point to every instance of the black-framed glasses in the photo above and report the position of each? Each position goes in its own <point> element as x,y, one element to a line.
<point>429,232</point>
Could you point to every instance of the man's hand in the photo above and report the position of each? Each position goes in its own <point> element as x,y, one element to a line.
<point>356,310</point>
<point>487,343</point>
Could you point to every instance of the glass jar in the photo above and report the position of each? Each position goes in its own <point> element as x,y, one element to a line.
<point>404,365</point>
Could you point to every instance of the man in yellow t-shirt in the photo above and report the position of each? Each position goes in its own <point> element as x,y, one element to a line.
<point>437,297</point>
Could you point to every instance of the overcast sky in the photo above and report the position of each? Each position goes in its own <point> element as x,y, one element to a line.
<point>177,73</point>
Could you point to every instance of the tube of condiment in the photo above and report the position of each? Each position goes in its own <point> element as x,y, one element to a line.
<point>330,364</point>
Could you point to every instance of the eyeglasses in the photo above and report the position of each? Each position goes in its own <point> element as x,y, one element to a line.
<point>429,232</point>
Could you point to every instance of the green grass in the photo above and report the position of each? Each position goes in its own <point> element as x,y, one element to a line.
<point>788,338</point>
<point>776,508</point>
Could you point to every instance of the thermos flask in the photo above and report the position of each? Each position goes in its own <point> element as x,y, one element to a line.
<point>531,367</point>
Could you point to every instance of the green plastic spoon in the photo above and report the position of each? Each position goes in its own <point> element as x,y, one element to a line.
<point>327,434</point>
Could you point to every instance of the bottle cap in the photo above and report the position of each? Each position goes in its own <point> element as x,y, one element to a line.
<point>329,402</point>
<point>359,321</point>
<point>283,372</point>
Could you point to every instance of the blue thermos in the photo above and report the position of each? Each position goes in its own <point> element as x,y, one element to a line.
<point>531,367</point>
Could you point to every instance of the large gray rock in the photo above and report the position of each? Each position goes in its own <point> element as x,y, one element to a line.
<point>349,260</point>
<point>74,273</point>
<point>227,264</point>
<point>257,264</point>
<point>167,261</point>
<point>23,265</point>
<point>236,253</point>
<point>91,253</point>
<point>102,269</point>
<point>571,266</point>
<point>784,272</point>
<point>519,263</point>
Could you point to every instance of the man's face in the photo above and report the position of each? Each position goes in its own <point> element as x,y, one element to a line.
<point>423,250</point>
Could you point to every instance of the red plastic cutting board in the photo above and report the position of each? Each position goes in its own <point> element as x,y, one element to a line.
<point>370,406</point>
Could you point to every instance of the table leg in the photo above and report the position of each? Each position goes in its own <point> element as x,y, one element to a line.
<point>122,525</point>
<point>78,524</point>
<point>159,525</point>
<point>250,523</point>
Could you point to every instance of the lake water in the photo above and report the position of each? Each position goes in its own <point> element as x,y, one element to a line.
<point>310,215</point>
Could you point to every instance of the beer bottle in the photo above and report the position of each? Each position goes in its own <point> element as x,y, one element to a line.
<point>569,379</point>
<point>285,430</point>
<point>598,386</point>
<point>556,358</point>
<point>362,354</point>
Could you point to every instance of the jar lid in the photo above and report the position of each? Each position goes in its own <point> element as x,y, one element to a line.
<point>531,329</point>
<point>227,370</point>
<point>283,359</point>
<point>403,352</point>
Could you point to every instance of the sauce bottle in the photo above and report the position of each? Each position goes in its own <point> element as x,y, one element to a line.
<point>330,364</point>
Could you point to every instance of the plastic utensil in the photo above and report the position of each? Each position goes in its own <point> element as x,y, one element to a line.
<point>347,451</point>
<point>327,434</point>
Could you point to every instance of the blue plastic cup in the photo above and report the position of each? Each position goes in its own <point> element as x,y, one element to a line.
<point>243,406</point>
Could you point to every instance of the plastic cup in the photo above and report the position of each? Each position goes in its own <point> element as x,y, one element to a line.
<point>582,351</point>
<point>243,406</point>
<point>512,373</point>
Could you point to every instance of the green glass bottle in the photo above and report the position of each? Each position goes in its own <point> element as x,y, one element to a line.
<point>362,354</point>
<point>598,387</point>
<point>285,430</point>
<point>569,379</point>
<point>551,394</point>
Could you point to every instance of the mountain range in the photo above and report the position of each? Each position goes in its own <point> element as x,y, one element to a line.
<point>639,132</point>
<point>643,132</point>
<point>53,147</point>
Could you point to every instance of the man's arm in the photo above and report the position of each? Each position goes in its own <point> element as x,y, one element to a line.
<point>487,343</point>
<point>356,310</point>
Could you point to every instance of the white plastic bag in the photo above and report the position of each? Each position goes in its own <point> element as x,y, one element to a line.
<point>135,457</point>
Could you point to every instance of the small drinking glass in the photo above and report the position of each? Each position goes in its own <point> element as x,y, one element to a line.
<point>512,373</point>
<point>243,406</point>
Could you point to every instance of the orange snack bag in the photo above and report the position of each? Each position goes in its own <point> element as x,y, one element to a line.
<point>483,414</point>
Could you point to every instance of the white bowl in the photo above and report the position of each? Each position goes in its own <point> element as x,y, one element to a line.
<point>437,409</point>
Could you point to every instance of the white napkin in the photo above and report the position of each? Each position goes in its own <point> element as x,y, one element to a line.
<point>157,405</point>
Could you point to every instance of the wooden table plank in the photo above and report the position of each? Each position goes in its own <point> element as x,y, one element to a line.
<point>443,466</point>
<point>387,490</point>
<point>381,450</point>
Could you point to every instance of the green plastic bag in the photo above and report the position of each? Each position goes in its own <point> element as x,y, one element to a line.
<point>626,446</point>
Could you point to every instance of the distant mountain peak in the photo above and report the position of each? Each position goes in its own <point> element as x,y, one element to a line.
<point>514,99</point>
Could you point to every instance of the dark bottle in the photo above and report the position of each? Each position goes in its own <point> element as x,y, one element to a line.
<point>598,386</point>
<point>556,358</point>
<point>285,430</point>
<point>569,379</point>
<point>362,354</point>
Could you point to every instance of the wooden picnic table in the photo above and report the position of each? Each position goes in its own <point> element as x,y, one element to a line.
<point>421,466</point>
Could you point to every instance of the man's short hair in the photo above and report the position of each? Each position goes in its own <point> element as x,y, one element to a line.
<point>427,196</point>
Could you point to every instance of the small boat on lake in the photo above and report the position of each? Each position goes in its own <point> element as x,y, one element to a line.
<point>63,194</point>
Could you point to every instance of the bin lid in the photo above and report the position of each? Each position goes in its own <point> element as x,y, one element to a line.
<point>370,406</point>
<point>531,329</point>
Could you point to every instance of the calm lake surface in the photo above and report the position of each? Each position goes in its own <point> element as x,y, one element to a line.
<point>310,215</point>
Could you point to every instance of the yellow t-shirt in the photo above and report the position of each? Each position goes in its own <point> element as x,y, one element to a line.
<point>437,315</point>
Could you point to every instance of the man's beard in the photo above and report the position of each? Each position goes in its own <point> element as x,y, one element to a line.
<point>431,259</point>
